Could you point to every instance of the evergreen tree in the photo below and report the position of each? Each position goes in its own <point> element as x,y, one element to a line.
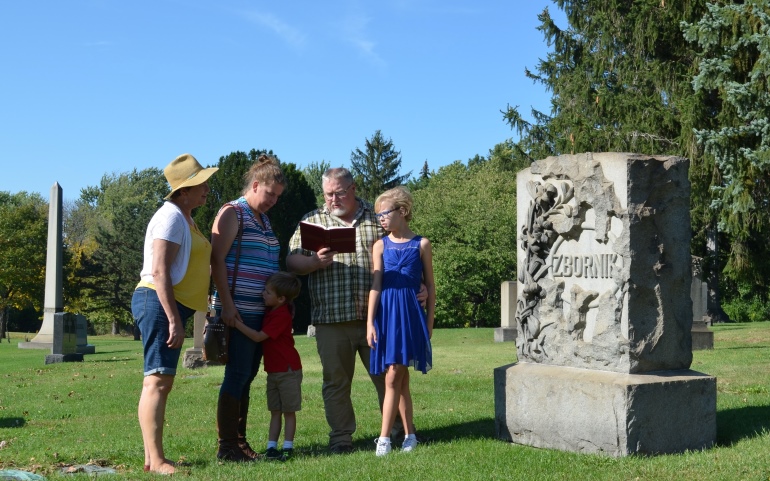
<point>416,183</point>
<point>226,185</point>
<point>376,168</point>
<point>425,172</point>
<point>620,75</point>
<point>734,66</point>
<point>313,173</point>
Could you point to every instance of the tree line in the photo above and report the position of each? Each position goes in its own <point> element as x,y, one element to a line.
<point>646,76</point>
<point>104,232</point>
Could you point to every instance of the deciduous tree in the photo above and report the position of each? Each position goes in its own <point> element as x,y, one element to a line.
<point>469,215</point>
<point>125,203</point>
<point>23,237</point>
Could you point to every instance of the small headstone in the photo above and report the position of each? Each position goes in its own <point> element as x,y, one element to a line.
<point>702,336</point>
<point>193,357</point>
<point>64,339</point>
<point>507,330</point>
<point>81,326</point>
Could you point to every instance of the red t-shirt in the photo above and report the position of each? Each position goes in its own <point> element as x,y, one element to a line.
<point>279,351</point>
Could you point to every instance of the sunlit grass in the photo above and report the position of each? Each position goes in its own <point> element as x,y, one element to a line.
<point>75,413</point>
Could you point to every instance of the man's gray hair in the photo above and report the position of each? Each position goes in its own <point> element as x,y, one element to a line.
<point>337,173</point>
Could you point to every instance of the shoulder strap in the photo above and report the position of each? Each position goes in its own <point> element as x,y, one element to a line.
<point>238,214</point>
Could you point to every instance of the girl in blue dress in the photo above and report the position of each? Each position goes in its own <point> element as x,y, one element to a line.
<point>398,330</point>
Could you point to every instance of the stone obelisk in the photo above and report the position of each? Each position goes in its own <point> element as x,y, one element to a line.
<point>54,301</point>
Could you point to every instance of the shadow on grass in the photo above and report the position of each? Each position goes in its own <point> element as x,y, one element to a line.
<point>734,425</point>
<point>731,326</point>
<point>118,351</point>
<point>478,429</point>
<point>117,359</point>
<point>743,347</point>
<point>12,422</point>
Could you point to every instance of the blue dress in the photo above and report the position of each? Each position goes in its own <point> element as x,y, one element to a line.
<point>400,323</point>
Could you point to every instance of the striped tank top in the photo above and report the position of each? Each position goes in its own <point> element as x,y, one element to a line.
<point>258,260</point>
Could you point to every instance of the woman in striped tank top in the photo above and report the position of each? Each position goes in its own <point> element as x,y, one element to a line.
<point>258,260</point>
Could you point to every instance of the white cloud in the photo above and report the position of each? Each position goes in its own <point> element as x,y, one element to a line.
<point>354,31</point>
<point>288,33</point>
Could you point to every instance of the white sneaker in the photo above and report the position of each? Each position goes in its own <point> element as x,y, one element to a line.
<point>410,442</point>
<point>383,447</point>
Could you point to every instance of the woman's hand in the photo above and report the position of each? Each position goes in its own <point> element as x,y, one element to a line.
<point>231,317</point>
<point>175,335</point>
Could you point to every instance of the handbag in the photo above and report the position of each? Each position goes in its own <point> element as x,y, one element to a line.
<point>216,334</point>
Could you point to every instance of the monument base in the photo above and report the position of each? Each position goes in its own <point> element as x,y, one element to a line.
<point>505,334</point>
<point>702,337</point>
<point>193,359</point>
<point>36,345</point>
<point>56,358</point>
<point>602,412</point>
<point>86,349</point>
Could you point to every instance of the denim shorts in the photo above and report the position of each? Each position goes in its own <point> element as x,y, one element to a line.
<point>153,325</point>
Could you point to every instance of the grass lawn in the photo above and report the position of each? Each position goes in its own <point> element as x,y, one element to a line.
<point>75,413</point>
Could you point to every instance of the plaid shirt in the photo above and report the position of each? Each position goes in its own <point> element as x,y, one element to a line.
<point>340,292</point>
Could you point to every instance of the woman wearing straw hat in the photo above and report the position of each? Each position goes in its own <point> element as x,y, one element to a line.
<point>258,259</point>
<point>174,284</point>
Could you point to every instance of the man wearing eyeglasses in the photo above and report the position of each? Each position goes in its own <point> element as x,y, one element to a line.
<point>339,286</point>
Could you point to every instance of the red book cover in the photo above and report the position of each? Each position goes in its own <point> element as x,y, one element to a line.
<point>315,237</point>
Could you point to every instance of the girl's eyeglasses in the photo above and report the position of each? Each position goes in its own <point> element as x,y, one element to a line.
<point>384,214</point>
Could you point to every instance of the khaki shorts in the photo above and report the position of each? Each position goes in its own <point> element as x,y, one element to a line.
<point>284,391</point>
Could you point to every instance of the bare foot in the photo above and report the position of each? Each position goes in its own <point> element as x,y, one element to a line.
<point>165,468</point>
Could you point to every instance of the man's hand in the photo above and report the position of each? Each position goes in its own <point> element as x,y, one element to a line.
<point>325,257</point>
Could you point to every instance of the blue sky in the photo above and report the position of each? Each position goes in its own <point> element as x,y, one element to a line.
<point>99,86</point>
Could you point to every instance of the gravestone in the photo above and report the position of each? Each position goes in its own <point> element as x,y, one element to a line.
<point>193,356</point>
<point>83,347</point>
<point>702,336</point>
<point>603,313</point>
<point>507,330</point>
<point>65,339</point>
<point>53,274</point>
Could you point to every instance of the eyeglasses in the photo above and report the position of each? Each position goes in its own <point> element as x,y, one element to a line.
<point>384,214</point>
<point>340,193</point>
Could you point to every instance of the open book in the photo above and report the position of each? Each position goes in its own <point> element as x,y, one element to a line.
<point>315,237</point>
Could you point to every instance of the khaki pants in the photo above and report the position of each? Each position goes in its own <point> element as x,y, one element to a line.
<point>338,344</point>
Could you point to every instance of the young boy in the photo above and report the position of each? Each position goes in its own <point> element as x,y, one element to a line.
<point>282,362</point>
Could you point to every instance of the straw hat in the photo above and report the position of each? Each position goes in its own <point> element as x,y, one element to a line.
<point>185,171</point>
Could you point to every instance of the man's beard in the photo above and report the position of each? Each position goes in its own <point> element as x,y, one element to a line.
<point>339,211</point>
